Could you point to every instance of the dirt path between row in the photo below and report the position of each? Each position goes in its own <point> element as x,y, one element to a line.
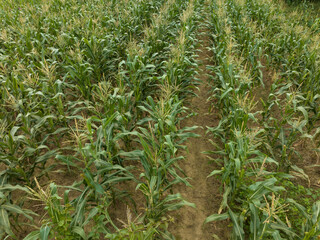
<point>205,191</point>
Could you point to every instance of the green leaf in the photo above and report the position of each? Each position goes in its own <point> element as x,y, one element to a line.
<point>214,172</point>
<point>92,213</point>
<point>315,212</point>
<point>276,235</point>
<point>80,232</point>
<point>67,160</point>
<point>12,188</point>
<point>304,112</point>
<point>301,208</point>
<point>44,232</point>
<point>35,235</point>
<point>4,221</point>
<point>15,209</point>
<point>255,221</point>
<point>13,131</point>
<point>284,229</point>
<point>236,227</point>
<point>217,217</point>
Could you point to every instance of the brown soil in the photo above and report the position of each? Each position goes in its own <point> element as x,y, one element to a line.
<point>310,164</point>
<point>205,193</point>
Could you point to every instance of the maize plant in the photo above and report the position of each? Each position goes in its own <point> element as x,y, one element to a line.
<point>92,97</point>
<point>256,145</point>
<point>97,91</point>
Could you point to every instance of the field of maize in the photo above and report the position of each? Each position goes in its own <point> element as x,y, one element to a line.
<point>159,119</point>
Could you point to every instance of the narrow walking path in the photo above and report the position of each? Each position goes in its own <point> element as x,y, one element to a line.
<point>205,191</point>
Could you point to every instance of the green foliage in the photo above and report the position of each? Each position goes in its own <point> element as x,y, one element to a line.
<point>8,208</point>
<point>255,144</point>
<point>95,88</point>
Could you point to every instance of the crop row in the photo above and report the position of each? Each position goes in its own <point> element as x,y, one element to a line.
<point>257,142</point>
<point>98,89</point>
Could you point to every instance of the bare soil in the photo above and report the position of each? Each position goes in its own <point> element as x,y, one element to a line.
<point>205,192</point>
